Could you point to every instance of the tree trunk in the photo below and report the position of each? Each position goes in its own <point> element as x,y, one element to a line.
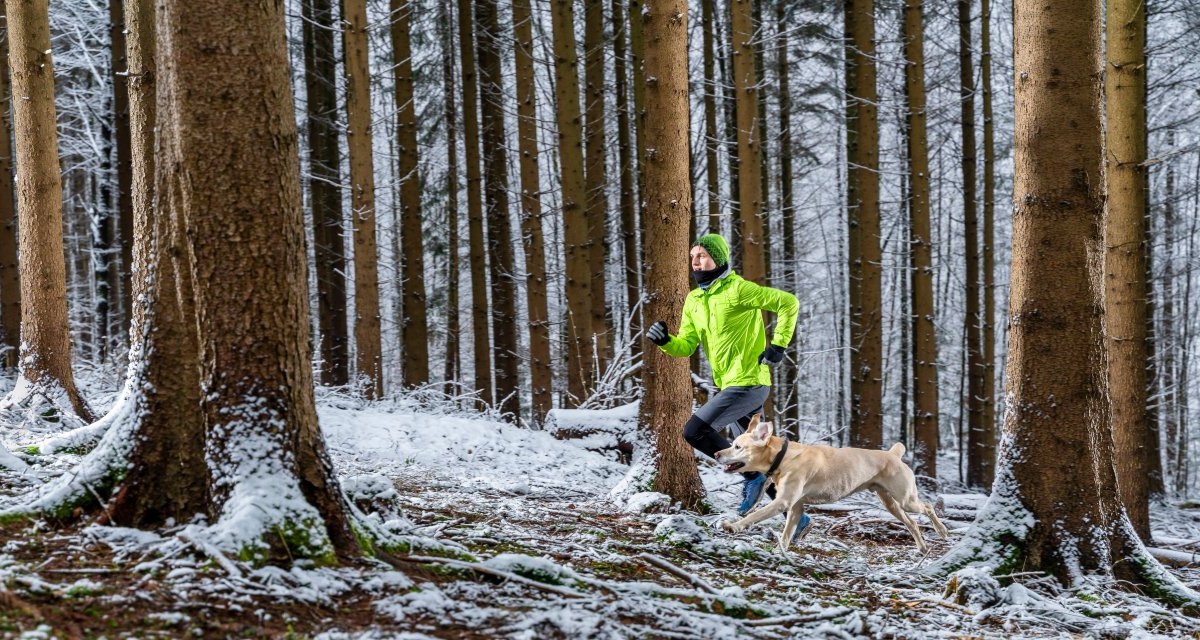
<point>367,341</point>
<point>595,176</point>
<point>725,63</point>
<point>788,279</point>
<point>749,140</point>
<point>924,336</point>
<point>541,378</point>
<point>637,57</point>
<point>482,344</point>
<point>707,26</point>
<point>1154,463</point>
<point>453,369</point>
<point>1055,506</point>
<point>10,282</point>
<point>1124,266</point>
<point>45,335</point>
<point>1168,387</point>
<point>500,251</point>
<point>988,321</point>
<point>628,168</point>
<point>667,401</point>
<point>413,326</point>
<point>247,257</point>
<point>119,280</point>
<point>980,451</point>
<point>325,193</point>
<point>864,257</point>
<point>574,198</point>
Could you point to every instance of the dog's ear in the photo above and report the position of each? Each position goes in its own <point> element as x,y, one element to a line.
<point>761,430</point>
<point>753,423</point>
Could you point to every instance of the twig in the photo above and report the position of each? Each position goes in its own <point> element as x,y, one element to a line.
<point>479,568</point>
<point>663,564</point>
<point>83,571</point>
<point>943,603</point>
<point>828,614</point>
<point>212,552</point>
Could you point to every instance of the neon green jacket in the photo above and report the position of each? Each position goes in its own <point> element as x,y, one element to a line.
<point>727,320</point>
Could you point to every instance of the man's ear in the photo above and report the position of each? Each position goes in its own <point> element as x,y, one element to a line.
<point>761,430</point>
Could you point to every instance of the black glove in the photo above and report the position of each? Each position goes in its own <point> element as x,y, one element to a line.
<point>773,354</point>
<point>657,333</point>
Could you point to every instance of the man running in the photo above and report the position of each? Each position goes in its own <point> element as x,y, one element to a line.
<point>724,315</point>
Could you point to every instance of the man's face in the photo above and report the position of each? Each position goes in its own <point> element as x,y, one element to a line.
<point>701,261</point>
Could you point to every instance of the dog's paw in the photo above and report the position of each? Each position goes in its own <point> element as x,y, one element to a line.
<point>730,526</point>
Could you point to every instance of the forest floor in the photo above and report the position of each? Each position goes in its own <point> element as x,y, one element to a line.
<point>526,542</point>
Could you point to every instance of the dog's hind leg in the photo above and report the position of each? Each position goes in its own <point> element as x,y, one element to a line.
<point>895,509</point>
<point>913,504</point>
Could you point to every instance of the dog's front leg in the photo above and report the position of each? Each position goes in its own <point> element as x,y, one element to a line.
<point>778,505</point>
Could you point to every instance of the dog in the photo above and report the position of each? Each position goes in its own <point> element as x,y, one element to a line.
<point>818,474</point>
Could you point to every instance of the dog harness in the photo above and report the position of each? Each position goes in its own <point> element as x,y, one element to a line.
<point>778,459</point>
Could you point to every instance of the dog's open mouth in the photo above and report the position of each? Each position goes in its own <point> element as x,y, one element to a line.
<point>734,466</point>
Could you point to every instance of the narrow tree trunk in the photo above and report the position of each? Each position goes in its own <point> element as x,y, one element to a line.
<point>980,451</point>
<point>595,176</point>
<point>707,26</point>
<point>453,369</point>
<point>540,373</point>
<point>749,140</point>
<point>45,336</point>
<point>924,342</point>
<point>862,177</point>
<point>1168,387</point>
<point>764,137</point>
<point>10,282</point>
<point>988,322</point>
<point>574,199</point>
<point>1124,266</point>
<point>637,56</point>
<point>500,250</point>
<point>1154,473</point>
<point>667,401</point>
<point>120,280</point>
<point>367,340</point>
<point>325,193</point>
<point>1055,505</point>
<point>413,326</point>
<point>789,278</point>
<point>628,169</point>
<point>725,63</point>
<point>482,344</point>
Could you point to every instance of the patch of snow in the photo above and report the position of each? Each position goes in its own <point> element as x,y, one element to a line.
<point>682,529</point>
<point>646,500</point>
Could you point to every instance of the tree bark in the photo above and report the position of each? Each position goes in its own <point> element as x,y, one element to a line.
<point>500,251</point>
<point>482,342</point>
<point>541,379</point>
<point>580,364</point>
<point>789,372</point>
<point>1055,505</point>
<point>864,255</point>
<point>325,193</point>
<point>667,401</point>
<point>367,340</point>
<point>924,336</point>
<point>749,140</point>
<point>595,175</point>
<point>10,281</point>
<point>707,26</point>
<point>45,335</point>
<point>453,369</point>
<point>119,280</point>
<point>413,326</point>
<point>1169,344</point>
<point>247,262</point>
<point>627,165</point>
<point>1125,252</point>
<point>988,322</point>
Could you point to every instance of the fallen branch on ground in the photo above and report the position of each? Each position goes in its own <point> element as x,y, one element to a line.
<point>802,617</point>
<point>663,564</point>
<point>497,573</point>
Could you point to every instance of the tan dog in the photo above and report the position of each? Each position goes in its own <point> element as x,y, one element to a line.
<point>817,474</point>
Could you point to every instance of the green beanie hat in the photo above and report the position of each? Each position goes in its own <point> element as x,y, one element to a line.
<point>716,247</point>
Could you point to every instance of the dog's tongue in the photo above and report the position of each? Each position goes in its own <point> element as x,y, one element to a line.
<point>734,466</point>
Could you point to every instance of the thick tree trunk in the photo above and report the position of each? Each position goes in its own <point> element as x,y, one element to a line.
<point>325,193</point>
<point>988,321</point>
<point>924,336</point>
<point>749,141</point>
<point>980,445</point>
<point>627,165</point>
<point>667,401</point>
<point>500,250</point>
<point>541,379</point>
<point>367,339</point>
<point>595,175</point>
<point>707,26</point>
<point>10,281</point>
<point>864,256</point>
<point>574,198</point>
<point>1055,506</point>
<point>413,326</point>
<point>247,258</point>
<point>482,342</point>
<point>453,369</point>
<point>1124,266</point>
<point>45,335</point>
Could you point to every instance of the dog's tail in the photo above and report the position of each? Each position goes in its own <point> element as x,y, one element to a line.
<point>897,450</point>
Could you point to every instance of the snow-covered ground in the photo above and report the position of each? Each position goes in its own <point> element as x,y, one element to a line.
<point>526,542</point>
